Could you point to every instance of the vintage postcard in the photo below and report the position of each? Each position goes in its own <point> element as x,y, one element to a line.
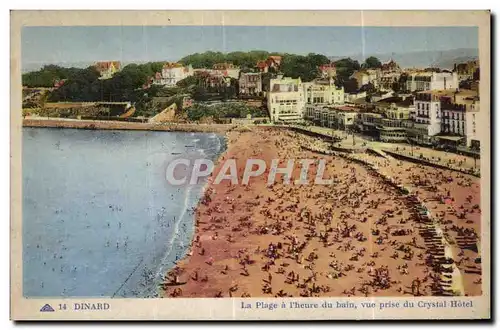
<point>250,165</point>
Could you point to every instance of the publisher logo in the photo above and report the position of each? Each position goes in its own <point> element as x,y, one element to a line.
<point>47,308</point>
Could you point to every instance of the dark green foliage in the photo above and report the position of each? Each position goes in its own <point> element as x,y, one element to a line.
<point>369,88</point>
<point>223,110</point>
<point>345,68</point>
<point>372,63</point>
<point>350,85</point>
<point>245,60</point>
<point>303,67</point>
<point>401,84</point>
<point>475,76</point>
<point>48,75</point>
<point>126,85</point>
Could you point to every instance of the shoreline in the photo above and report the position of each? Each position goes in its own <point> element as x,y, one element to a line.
<point>219,129</point>
<point>162,274</point>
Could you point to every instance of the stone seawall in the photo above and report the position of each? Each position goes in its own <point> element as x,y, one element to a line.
<point>421,161</point>
<point>102,124</point>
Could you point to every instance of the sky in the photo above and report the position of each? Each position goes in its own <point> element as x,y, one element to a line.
<point>73,44</point>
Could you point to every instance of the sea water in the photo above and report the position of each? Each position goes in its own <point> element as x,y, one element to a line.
<point>99,218</point>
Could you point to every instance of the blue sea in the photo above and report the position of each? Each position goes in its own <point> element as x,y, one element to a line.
<point>99,217</point>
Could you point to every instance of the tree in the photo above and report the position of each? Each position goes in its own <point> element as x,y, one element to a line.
<point>303,67</point>
<point>350,85</point>
<point>396,87</point>
<point>245,60</point>
<point>48,75</point>
<point>372,63</point>
<point>346,67</point>
<point>475,75</point>
<point>369,88</point>
<point>203,60</point>
<point>402,82</point>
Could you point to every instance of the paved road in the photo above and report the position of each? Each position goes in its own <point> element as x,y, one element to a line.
<point>403,148</point>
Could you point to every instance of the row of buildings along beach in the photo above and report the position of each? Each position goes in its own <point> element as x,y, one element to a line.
<point>431,106</point>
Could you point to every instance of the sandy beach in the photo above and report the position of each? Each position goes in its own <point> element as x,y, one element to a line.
<point>359,236</point>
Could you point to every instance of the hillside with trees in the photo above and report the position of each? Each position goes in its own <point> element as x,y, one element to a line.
<point>303,67</point>
<point>84,85</point>
<point>245,60</point>
<point>48,76</point>
<point>295,66</point>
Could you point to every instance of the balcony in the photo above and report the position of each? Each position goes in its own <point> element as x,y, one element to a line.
<point>420,126</point>
<point>452,106</point>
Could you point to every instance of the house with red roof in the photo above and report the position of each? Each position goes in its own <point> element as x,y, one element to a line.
<point>58,83</point>
<point>272,62</point>
<point>328,70</point>
<point>107,68</point>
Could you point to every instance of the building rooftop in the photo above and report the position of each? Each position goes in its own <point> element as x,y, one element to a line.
<point>224,66</point>
<point>361,100</point>
<point>261,64</point>
<point>450,92</point>
<point>251,73</point>
<point>330,65</point>
<point>106,65</point>
<point>400,104</point>
<point>372,113</point>
<point>171,65</point>
<point>346,108</point>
